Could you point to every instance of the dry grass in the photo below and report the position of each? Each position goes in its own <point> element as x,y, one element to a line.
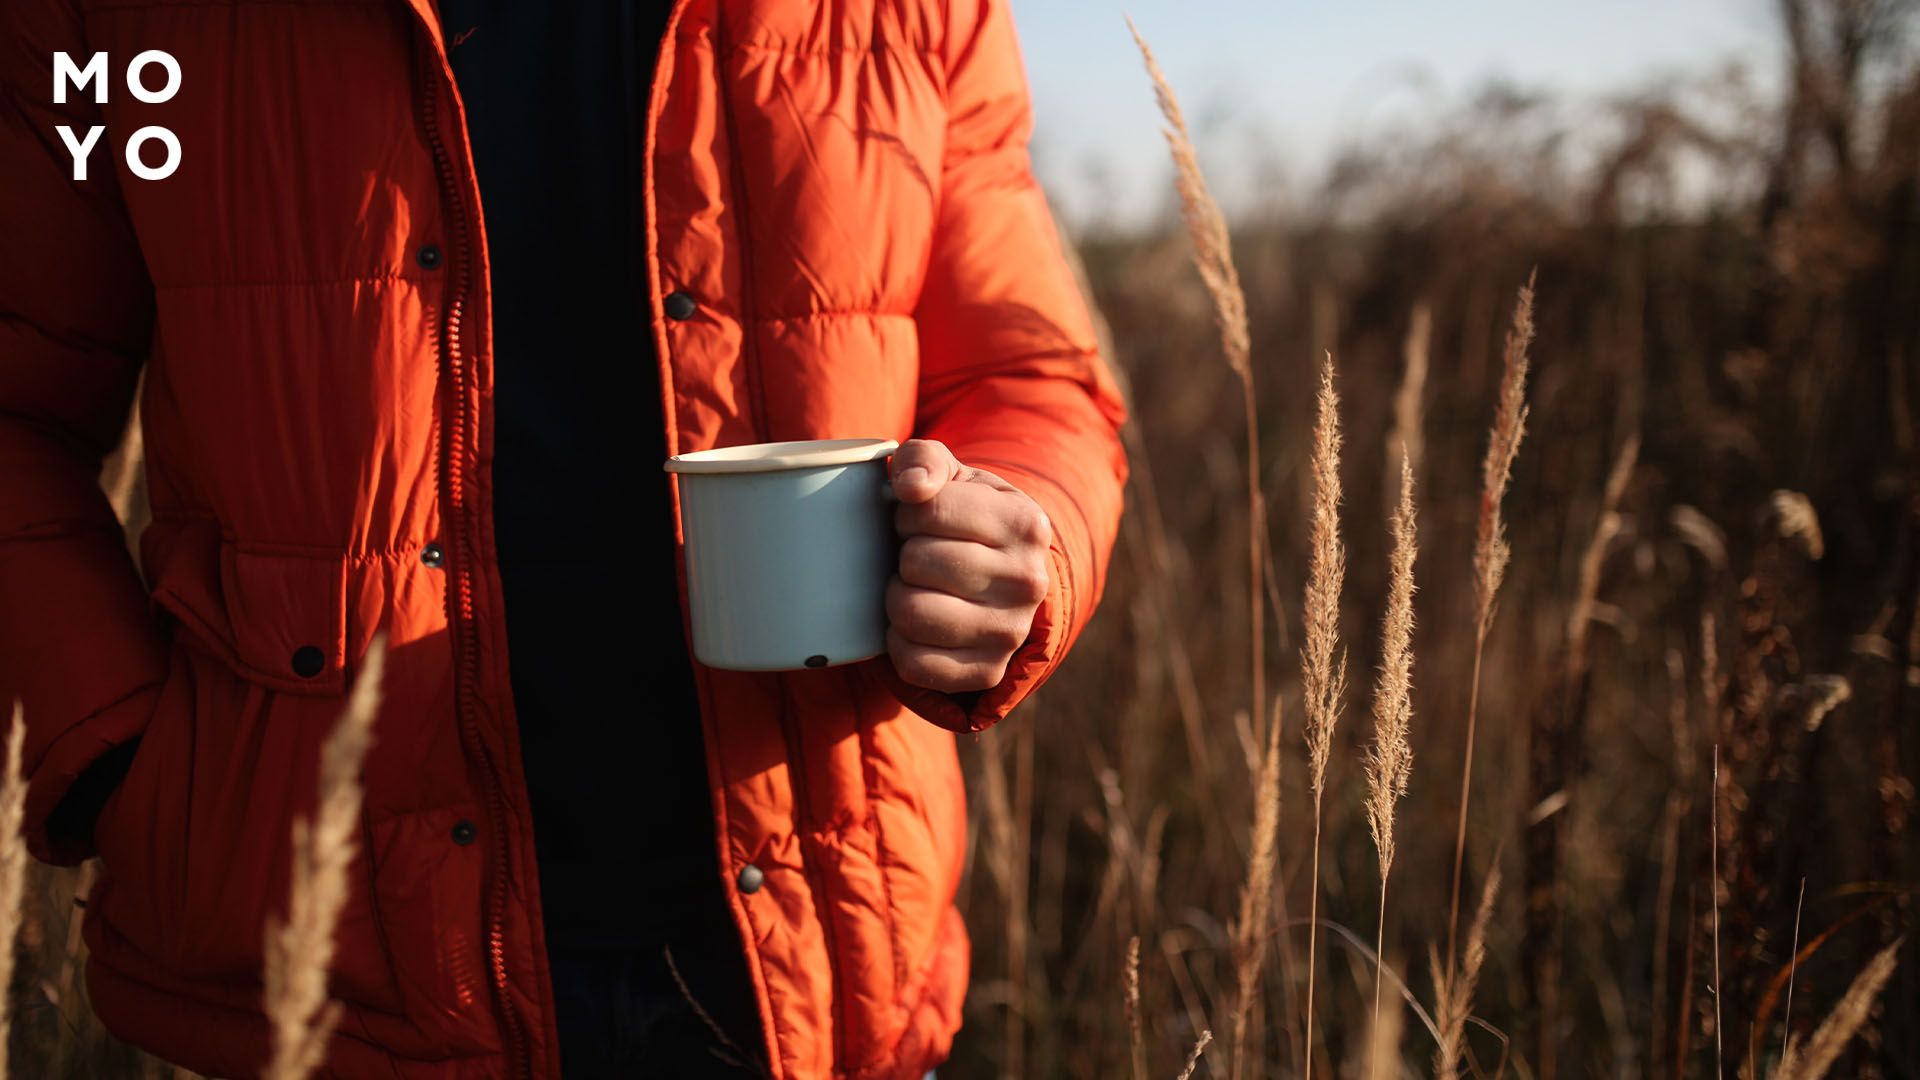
<point>1323,665</point>
<point>1713,892</point>
<point>1006,844</point>
<point>1593,560</point>
<point>1491,551</point>
<point>1594,551</point>
<point>1136,1023</point>
<point>1795,518</point>
<point>1811,1062</point>
<point>1382,1046</point>
<point>1454,992</point>
<point>13,870</point>
<point>1390,759</point>
<point>1491,554</point>
<point>1793,969</point>
<point>300,951</point>
<point>1213,257</point>
<point>1193,1056</point>
<point>1251,928</point>
<point>1408,442</point>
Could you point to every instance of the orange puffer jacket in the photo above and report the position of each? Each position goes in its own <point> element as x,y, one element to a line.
<point>843,190</point>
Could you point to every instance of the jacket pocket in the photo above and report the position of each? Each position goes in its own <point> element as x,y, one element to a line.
<point>196,842</point>
<point>276,615</point>
<point>289,617</point>
<point>427,872</point>
<point>200,836</point>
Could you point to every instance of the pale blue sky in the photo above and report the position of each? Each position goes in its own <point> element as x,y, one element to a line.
<point>1289,81</point>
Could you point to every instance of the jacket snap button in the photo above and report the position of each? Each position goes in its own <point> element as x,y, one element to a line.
<point>433,555</point>
<point>308,661</point>
<point>463,833</point>
<point>750,879</point>
<point>680,307</point>
<point>429,257</point>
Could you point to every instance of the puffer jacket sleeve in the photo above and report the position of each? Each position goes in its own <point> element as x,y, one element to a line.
<point>78,646</point>
<point>1011,377</point>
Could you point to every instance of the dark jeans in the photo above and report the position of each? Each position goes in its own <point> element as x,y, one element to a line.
<point>621,1014</point>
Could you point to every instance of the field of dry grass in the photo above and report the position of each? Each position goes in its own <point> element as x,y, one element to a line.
<point>1509,662</point>
<point>1695,697</point>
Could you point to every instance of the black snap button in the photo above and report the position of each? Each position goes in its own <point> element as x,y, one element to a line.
<point>308,661</point>
<point>429,257</point>
<point>680,307</point>
<point>750,879</point>
<point>433,555</point>
<point>463,833</point>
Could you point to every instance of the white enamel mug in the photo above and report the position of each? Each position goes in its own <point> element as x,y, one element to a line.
<point>789,548</point>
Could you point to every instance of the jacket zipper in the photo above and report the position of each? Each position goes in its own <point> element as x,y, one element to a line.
<point>455,439</point>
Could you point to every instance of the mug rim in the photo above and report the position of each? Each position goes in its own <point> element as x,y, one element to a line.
<point>781,456</point>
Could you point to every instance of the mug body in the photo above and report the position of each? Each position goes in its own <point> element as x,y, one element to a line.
<point>789,547</point>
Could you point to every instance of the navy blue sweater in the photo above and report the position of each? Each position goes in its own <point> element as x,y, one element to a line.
<point>609,724</point>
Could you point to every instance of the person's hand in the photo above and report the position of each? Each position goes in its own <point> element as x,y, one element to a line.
<point>973,570</point>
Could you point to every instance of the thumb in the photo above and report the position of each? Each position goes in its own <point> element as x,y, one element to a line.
<point>921,467</point>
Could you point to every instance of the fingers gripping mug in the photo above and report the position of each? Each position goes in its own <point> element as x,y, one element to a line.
<point>789,547</point>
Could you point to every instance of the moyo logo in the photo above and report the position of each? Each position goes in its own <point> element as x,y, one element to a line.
<point>65,71</point>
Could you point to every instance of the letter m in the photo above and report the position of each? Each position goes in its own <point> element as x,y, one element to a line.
<point>64,72</point>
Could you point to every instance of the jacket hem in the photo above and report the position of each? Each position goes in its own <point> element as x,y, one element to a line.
<point>180,1030</point>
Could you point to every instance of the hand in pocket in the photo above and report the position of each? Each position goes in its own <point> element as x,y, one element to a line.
<point>81,808</point>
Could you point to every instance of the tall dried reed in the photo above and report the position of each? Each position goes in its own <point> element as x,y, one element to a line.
<point>1213,257</point>
<point>1136,1024</point>
<point>1382,1046</point>
<point>1713,889</point>
<point>1390,759</point>
<point>1193,1056</point>
<point>1490,556</point>
<point>1323,666</point>
<point>1793,969</point>
<point>300,951</point>
<point>1408,441</point>
<point>1453,994</point>
<point>1256,897</point>
<point>1812,1060</point>
<point>1008,841</point>
<point>1605,528</point>
<point>13,870</point>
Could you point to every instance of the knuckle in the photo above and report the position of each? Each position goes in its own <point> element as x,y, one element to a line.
<point>1005,636</point>
<point>908,659</point>
<point>1030,581</point>
<point>979,677</point>
<point>1030,524</point>
<point>916,666</point>
<point>916,615</point>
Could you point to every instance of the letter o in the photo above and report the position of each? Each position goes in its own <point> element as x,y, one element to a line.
<point>165,60</point>
<point>140,138</point>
